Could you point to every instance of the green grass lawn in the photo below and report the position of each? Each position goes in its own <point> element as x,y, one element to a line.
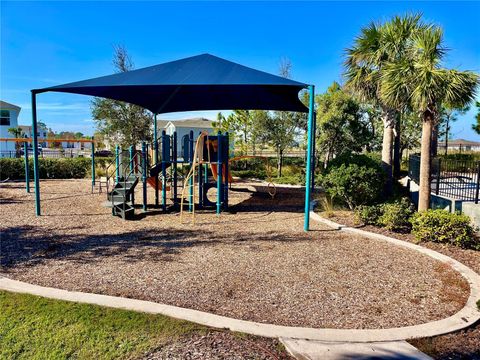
<point>32,327</point>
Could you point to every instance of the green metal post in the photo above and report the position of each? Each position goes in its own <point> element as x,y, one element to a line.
<point>93,164</point>
<point>27,170</point>
<point>35,153</point>
<point>219,173</point>
<point>308,175</point>
<point>117,163</point>
<point>190,181</point>
<point>205,178</point>
<point>165,153</point>
<point>131,152</point>
<point>155,154</point>
<point>144,175</point>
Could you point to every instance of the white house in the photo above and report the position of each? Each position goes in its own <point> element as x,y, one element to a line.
<point>183,127</point>
<point>41,134</point>
<point>460,145</point>
<point>8,119</point>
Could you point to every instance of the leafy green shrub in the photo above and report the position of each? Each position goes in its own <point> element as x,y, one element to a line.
<point>297,179</point>
<point>368,214</point>
<point>357,179</point>
<point>12,169</point>
<point>396,216</point>
<point>256,174</point>
<point>444,227</point>
<point>67,168</point>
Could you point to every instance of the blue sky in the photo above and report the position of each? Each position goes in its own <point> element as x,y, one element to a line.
<point>47,43</point>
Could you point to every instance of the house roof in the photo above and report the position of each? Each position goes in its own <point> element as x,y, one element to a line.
<point>460,142</point>
<point>6,105</point>
<point>193,123</point>
<point>161,124</point>
<point>202,82</point>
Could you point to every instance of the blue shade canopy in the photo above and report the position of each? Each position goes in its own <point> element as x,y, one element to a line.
<point>203,82</point>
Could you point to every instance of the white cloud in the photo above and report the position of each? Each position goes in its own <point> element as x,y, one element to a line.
<point>57,106</point>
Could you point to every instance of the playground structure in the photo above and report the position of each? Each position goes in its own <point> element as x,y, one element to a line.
<point>202,82</point>
<point>161,172</point>
<point>209,154</point>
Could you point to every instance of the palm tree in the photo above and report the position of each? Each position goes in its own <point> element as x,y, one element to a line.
<point>428,85</point>
<point>16,133</point>
<point>476,127</point>
<point>376,46</point>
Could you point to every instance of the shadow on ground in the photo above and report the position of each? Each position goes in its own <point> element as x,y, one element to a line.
<point>31,245</point>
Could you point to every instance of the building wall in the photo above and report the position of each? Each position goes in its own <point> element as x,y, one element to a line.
<point>181,132</point>
<point>8,148</point>
<point>42,134</point>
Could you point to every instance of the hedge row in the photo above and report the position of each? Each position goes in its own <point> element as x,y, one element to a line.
<point>76,168</point>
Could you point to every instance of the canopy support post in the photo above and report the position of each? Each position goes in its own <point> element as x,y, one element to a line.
<point>155,155</point>
<point>308,173</point>
<point>35,153</point>
<point>314,142</point>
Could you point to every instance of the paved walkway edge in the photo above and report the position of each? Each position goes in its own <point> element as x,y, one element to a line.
<point>465,317</point>
<point>323,350</point>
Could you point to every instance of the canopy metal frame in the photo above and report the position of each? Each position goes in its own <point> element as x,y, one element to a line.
<point>236,82</point>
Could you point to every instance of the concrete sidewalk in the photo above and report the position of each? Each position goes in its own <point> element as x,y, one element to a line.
<point>321,350</point>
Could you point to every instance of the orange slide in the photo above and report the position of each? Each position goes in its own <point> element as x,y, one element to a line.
<point>213,166</point>
<point>151,182</point>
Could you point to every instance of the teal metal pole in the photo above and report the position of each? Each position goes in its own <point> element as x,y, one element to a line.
<point>117,163</point>
<point>27,170</point>
<point>219,173</point>
<point>35,153</point>
<point>190,181</point>
<point>93,164</point>
<point>131,152</point>
<point>155,154</point>
<point>308,174</point>
<point>144,175</point>
<point>165,153</point>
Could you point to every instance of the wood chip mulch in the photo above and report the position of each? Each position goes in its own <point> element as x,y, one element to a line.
<point>253,263</point>
<point>220,345</point>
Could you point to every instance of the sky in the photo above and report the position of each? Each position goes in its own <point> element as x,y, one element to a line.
<point>50,43</point>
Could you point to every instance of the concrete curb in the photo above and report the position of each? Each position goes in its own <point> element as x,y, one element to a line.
<point>465,317</point>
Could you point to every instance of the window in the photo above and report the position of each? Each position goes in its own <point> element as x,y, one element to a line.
<point>4,117</point>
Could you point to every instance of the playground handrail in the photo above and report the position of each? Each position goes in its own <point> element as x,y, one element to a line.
<point>134,170</point>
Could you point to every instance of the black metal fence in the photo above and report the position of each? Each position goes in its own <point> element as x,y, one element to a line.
<point>47,153</point>
<point>456,179</point>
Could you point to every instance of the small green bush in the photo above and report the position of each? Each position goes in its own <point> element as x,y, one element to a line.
<point>297,179</point>
<point>396,216</point>
<point>357,179</point>
<point>444,227</point>
<point>66,168</point>
<point>255,174</point>
<point>368,214</point>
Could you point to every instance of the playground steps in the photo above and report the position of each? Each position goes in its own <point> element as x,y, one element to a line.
<point>121,197</point>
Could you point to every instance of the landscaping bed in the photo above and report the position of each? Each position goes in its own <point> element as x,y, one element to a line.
<point>253,263</point>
